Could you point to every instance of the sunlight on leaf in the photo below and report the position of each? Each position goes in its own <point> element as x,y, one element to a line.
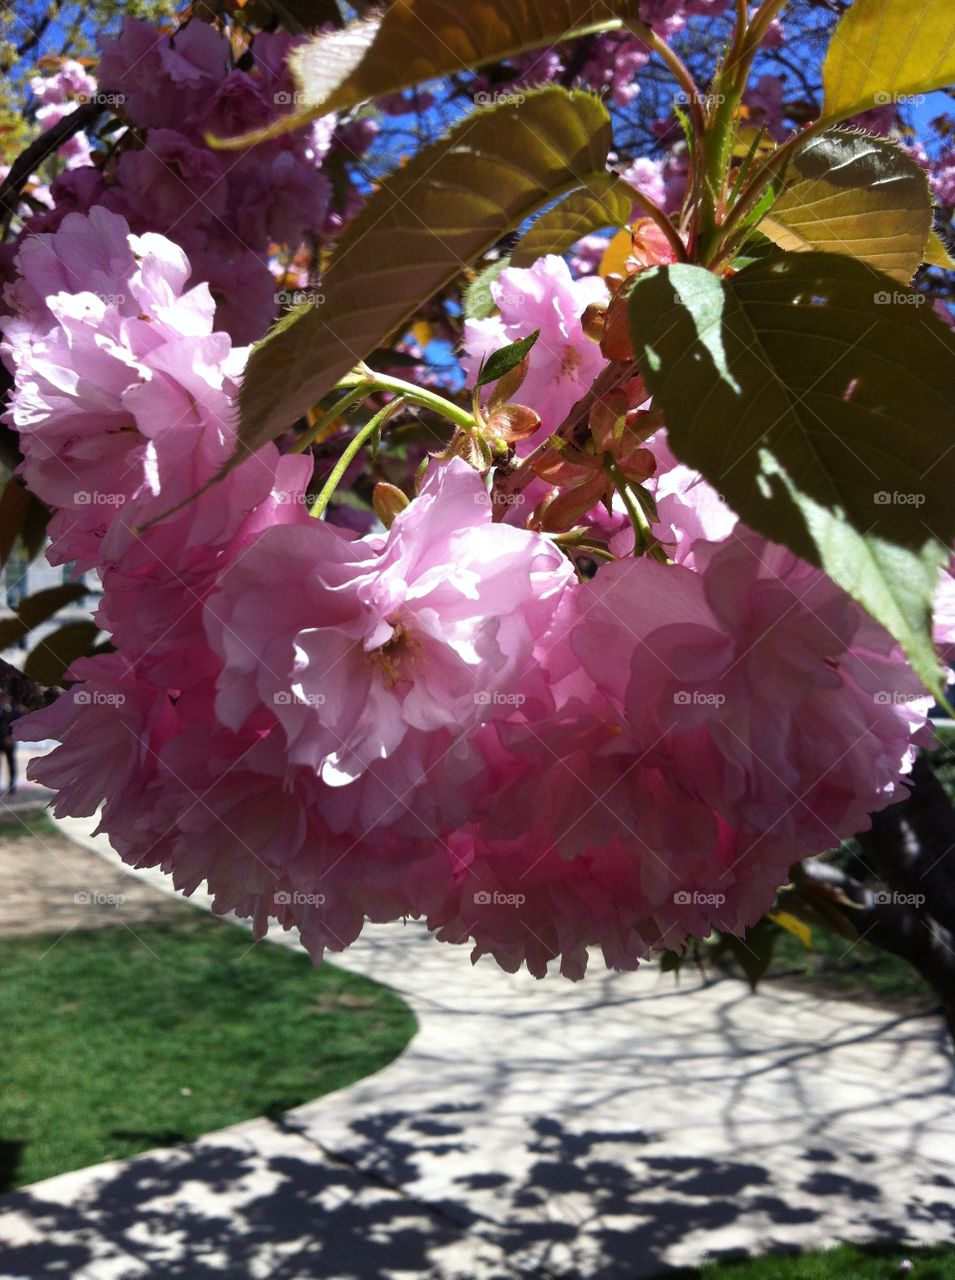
<point>814,393</point>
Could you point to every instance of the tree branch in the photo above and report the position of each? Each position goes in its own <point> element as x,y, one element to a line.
<point>39,149</point>
<point>24,690</point>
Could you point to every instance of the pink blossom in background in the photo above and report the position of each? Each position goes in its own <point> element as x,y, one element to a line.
<point>942,178</point>
<point>71,81</point>
<point>225,210</point>
<point>167,82</point>
<point>766,100</point>
<point>614,66</point>
<point>563,363</point>
<point>59,95</point>
<point>646,175</point>
<point>169,182</point>
<point>587,255</point>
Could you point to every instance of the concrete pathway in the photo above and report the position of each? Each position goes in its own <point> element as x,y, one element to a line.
<point>598,1131</point>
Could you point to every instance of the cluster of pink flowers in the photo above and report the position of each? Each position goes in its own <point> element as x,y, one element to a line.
<point>227,210</point>
<point>58,96</point>
<point>439,719</point>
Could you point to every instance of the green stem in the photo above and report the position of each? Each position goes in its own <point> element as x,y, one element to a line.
<point>338,410</point>
<point>764,175</point>
<point>641,528</point>
<point>761,22</point>
<point>353,448</point>
<point>677,68</point>
<point>680,72</point>
<point>372,382</point>
<point>730,84</point>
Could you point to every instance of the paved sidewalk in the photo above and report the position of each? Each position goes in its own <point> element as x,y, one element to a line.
<point>598,1131</point>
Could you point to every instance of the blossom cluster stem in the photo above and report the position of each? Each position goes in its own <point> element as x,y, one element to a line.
<point>374,382</point>
<point>354,447</point>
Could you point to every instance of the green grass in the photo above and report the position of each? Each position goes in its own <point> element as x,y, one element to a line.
<point>34,824</point>
<point>870,1262</point>
<point>115,1043</point>
<point>841,966</point>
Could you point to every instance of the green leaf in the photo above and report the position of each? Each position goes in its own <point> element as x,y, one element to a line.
<point>48,662</point>
<point>13,509</point>
<point>754,951</point>
<point>444,209</point>
<point>936,253</point>
<point>506,359</point>
<point>856,194</point>
<point>12,631</point>
<point>815,394</point>
<point>39,607</point>
<point>887,50</point>
<point>606,201</point>
<point>44,604</point>
<point>23,519</point>
<point>38,516</point>
<point>420,40</point>
<point>478,300</point>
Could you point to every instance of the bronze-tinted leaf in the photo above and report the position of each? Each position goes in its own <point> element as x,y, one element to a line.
<point>420,40</point>
<point>857,194</point>
<point>445,209</point>
<point>607,201</point>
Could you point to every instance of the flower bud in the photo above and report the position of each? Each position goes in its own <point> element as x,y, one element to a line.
<point>593,320</point>
<point>512,422</point>
<point>388,502</point>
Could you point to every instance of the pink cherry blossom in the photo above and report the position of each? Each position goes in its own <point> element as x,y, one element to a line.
<point>563,363</point>
<point>758,683</point>
<point>167,82</point>
<point>123,391</point>
<point>432,629</point>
